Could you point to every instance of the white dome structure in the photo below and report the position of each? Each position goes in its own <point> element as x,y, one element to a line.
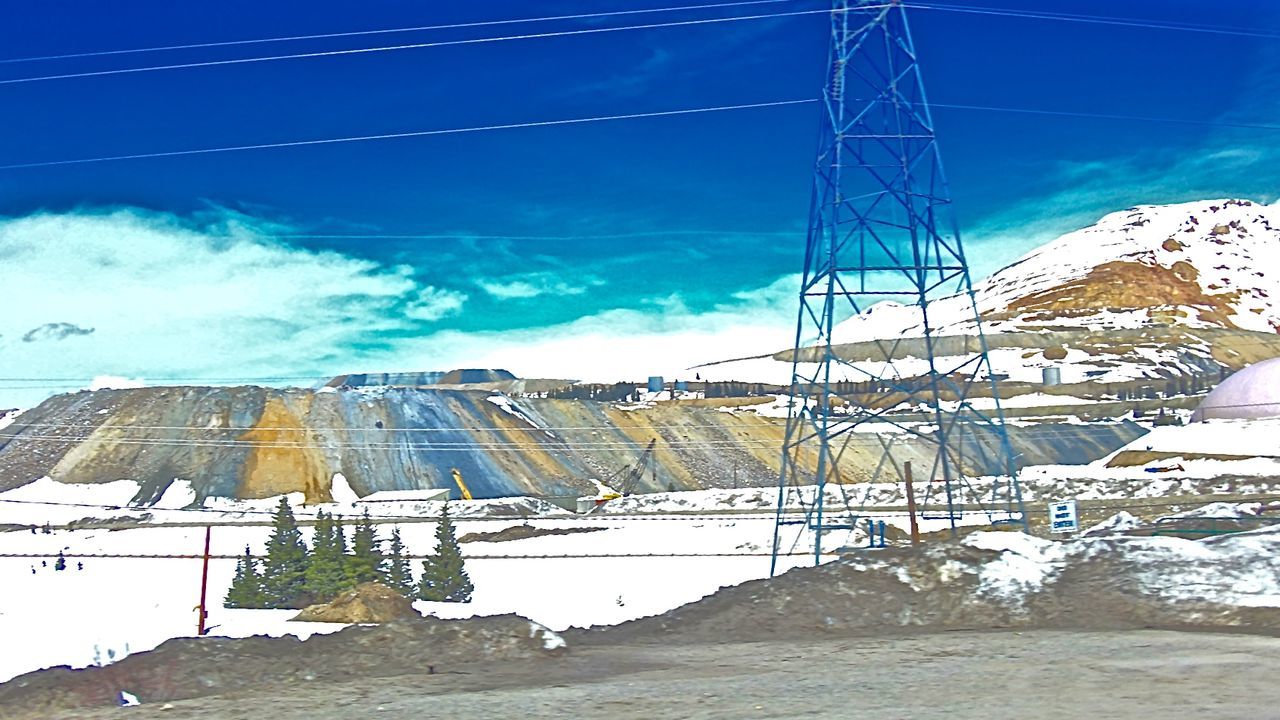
<point>1254,392</point>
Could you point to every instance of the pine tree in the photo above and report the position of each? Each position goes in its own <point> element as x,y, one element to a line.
<point>246,586</point>
<point>363,564</point>
<point>444,576</point>
<point>340,542</point>
<point>326,574</point>
<point>396,566</point>
<point>284,571</point>
<point>61,564</point>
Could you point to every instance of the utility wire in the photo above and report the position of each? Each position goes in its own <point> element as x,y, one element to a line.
<point>475,236</point>
<point>1097,20</point>
<point>979,10</point>
<point>388,31</point>
<point>606,118</point>
<point>1109,116</point>
<point>853,439</point>
<point>752,514</point>
<point>396,434</point>
<point>416,133</point>
<point>409,46</point>
<point>460,428</point>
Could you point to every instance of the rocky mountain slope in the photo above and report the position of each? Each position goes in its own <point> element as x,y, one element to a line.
<point>1185,293</point>
<point>1149,292</point>
<point>253,442</point>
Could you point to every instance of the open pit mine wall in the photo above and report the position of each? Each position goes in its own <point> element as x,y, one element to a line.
<point>253,442</point>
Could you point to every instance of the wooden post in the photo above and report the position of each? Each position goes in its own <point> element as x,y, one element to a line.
<point>911,503</point>
<point>204,582</point>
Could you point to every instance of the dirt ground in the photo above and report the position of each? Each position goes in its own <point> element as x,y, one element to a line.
<point>1034,675</point>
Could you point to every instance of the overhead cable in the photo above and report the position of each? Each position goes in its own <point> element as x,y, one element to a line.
<point>1097,20</point>
<point>413,134</point>
<point>407,46</point>
<point>388,31</point>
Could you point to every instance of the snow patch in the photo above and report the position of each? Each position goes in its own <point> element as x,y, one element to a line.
<point>341,492</point>
<point>1025,563</point>
<point>1115,525</point>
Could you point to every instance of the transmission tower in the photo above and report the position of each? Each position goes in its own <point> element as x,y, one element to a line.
<point>881,228</point>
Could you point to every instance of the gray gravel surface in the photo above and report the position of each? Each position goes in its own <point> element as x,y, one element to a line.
<point>1031,675</point>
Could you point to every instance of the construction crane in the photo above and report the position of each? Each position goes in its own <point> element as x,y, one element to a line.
<point>625,481</point>
<point>462,487</point>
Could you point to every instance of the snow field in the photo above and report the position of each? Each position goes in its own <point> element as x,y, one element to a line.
<point>122,605</point>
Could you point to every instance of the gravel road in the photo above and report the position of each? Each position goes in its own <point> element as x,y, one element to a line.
<point>1030,675</point>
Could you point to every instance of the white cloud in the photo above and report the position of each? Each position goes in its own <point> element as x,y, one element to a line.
<point>433,303</point>
<point>665,338</point>
<point>534,284</point>
<point>172,299</point>
<point>129,291</point>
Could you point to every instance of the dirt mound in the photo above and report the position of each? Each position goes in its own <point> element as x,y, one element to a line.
<point>196,667</point>
<point>992,580</point>
<point>365,603</point>
<point>523,532</point>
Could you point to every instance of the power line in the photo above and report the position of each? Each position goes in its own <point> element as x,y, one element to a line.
<point>555,443</point>
<point>71,426</point>
<point>604,118</point>
<point>387,31</point>
<point>301,514</point>
<point>981,10</point>
<point>476,236</point>
<point>439,446</point>
<point>1097,20</point>
<point>415,133</point>
<point>409,46</point>
<point>743,515</point>
<point>1109,116</point>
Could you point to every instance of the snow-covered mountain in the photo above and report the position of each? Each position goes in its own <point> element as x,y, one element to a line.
<point>1204,264</point>
<point>1154,299</point>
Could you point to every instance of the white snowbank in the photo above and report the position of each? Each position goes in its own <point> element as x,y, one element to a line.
<point>1025,563</point>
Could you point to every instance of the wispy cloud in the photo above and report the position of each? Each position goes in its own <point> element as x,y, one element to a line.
<point>156,294</point>
<point>536,284</point>
<point>55,331</point>
<point>1227,165</point>
<point>661,336</point>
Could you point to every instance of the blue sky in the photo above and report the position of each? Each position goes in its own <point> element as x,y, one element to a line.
<point>710,208</point>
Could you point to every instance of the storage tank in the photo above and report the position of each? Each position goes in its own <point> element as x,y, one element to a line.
<point>1253,392</point>
<point>1051,376</point>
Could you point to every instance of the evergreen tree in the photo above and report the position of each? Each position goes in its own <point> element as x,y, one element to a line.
<point>444,577</point>
<point>246,586</point>
<point>284,571</point>
<point>363,564</point>
<point>396,567</point>
<point>326,574</point>
<point>61,564</point>
<point>340,542</point>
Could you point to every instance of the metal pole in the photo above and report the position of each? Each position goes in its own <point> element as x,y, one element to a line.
<point>911,503</point>
<point>204,581</point>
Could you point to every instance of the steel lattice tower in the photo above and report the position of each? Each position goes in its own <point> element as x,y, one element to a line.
<point>881,228</point>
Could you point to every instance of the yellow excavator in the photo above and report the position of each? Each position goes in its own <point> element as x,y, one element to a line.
<point>627,480</point>
<point>462,487</point>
